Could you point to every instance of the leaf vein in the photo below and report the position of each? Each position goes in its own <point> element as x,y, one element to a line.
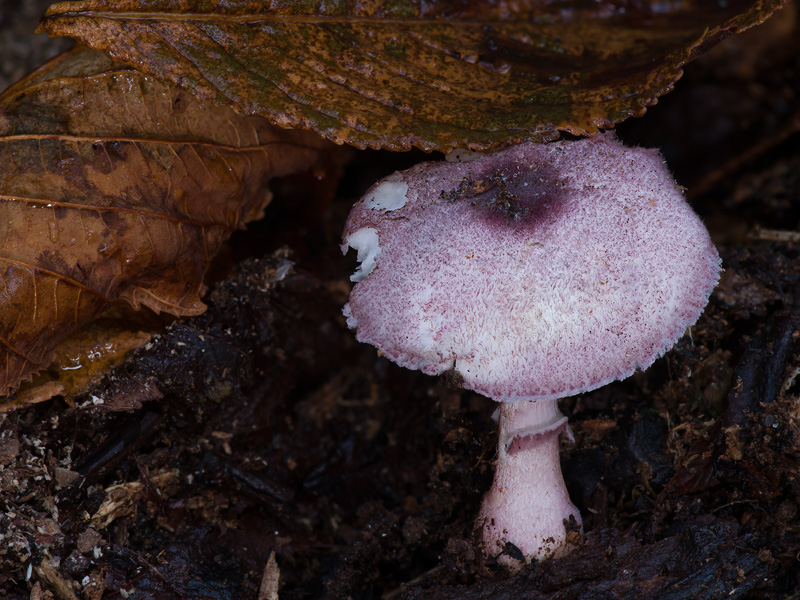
<point>61,276</point>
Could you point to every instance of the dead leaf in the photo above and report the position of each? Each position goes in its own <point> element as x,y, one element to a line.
<point>436,75</point>
<point>79,362</point>
<point>48,571</point>
<point>40,392</point>
<point>122,500</point>
<point>114,185</point>
<point>270,580</point>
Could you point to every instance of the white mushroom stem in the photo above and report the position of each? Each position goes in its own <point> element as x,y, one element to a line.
<point>528,505</point>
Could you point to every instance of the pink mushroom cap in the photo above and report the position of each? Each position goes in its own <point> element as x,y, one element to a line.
<point>537,272</point>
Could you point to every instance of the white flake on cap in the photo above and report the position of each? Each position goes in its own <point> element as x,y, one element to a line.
<point>365,242</point>
<point>596,273</point>
<point>388,194</point>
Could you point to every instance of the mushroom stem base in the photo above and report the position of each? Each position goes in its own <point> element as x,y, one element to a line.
<point>527,513</point>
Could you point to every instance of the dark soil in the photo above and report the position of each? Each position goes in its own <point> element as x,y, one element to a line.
<point>262,426</point>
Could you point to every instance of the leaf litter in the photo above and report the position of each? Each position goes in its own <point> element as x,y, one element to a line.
<point>431,75</point>
<point>129,187</point>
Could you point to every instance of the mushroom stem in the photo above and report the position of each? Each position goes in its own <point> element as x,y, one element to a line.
<point>527,513</point>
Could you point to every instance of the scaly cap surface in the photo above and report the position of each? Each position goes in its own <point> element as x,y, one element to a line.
<point>541,271</point>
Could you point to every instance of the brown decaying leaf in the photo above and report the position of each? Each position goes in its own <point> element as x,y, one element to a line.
<point>114,185</point>
<point>394,73</point>
<point>79,362</point>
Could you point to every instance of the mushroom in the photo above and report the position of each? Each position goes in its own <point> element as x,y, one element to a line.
<point>538,272</point>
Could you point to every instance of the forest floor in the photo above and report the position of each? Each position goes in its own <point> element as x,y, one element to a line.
<point>263,427</point>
